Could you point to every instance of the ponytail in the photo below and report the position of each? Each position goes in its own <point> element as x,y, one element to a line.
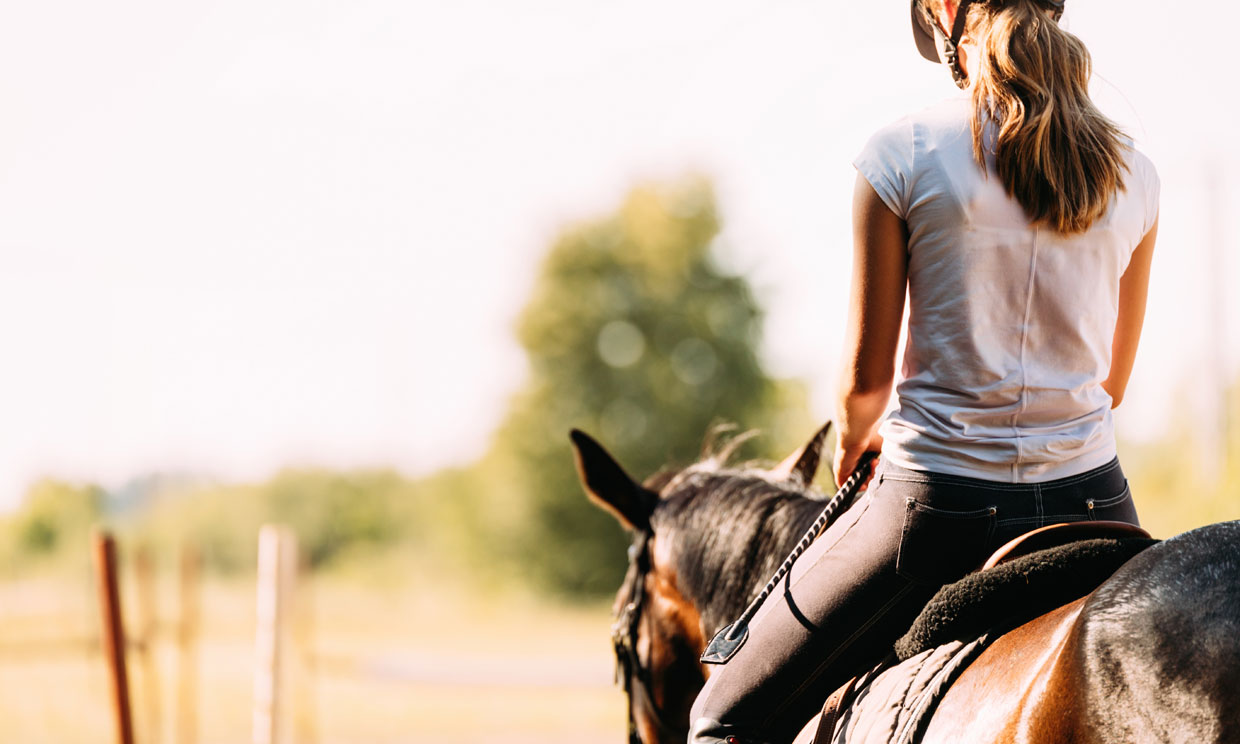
<point>1056,154</point>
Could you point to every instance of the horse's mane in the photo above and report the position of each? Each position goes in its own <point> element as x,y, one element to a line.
<point>732,527</point>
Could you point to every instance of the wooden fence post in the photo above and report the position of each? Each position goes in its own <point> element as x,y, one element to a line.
<point>187,656</point>
<point>104,553</point>
<point>277,569</point>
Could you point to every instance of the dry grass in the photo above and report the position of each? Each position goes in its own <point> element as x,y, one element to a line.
<point>379,663</point>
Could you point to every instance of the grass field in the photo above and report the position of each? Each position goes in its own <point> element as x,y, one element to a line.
<point>378,662</point>
<point>386,653</point>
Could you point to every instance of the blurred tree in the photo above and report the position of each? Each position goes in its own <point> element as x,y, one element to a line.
<point>334,513</point>
<point>331,512</point>
<point>55,515</point>
<point>636,335</point>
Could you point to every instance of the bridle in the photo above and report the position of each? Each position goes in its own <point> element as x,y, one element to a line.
<point>630,670</point>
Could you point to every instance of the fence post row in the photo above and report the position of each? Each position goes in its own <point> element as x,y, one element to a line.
<point>277,570</point>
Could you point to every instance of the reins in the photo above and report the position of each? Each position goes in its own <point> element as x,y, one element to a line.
<point>624,629</point>
<point>729,640</point>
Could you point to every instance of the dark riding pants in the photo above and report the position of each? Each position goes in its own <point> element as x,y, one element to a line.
<point>861,584</point>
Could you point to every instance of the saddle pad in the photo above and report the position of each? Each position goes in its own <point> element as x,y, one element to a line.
<point>893,704</point>
<point>1017,591</point>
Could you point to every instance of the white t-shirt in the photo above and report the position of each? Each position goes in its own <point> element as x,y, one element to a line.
<point>1010,325</point>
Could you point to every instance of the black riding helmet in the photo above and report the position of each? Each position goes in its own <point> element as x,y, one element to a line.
<point>926,30</point>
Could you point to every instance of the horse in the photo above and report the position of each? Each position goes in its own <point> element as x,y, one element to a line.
<point>1151,655</point>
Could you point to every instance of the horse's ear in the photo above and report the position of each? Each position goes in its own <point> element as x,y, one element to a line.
<point>609,486</point>
<point>804,462</point>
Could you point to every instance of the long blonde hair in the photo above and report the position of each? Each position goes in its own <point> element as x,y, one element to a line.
<point>1056,154</point>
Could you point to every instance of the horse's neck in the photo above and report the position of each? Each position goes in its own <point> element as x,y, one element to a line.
<point>741,557</point>
<point>786,530</point>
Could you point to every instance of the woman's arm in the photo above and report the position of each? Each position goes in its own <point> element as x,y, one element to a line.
<point>875,311</point>
<point>1133,289</point>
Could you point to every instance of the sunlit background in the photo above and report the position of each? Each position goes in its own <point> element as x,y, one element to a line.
<point>267,261</point>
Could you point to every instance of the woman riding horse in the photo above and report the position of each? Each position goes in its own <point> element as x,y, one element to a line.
<point>1021,223</point>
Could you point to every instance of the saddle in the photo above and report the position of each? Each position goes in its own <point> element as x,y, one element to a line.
<point>1059,534</point>
<point>1027,577</point>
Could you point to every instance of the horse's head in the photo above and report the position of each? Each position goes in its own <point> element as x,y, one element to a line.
<point>662,622</point>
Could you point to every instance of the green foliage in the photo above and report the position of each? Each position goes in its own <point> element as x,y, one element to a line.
<point>332,513</point>
<point>54,516</point>
<point>636,335</point>
<point>340,517</point>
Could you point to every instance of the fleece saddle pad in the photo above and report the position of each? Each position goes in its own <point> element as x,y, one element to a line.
<point>893,702</point>
<point>1019,590</point>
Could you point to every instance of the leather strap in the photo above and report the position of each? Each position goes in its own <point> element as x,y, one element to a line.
<point>831,712</point>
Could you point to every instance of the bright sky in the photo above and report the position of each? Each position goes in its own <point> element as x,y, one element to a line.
<point>245,234</point>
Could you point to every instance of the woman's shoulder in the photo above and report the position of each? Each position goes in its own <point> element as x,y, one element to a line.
<point>1139,162</point>
<point>902,144</point>
<point>947,119</point>
<point>1141,168</point>
<point>894,156</point>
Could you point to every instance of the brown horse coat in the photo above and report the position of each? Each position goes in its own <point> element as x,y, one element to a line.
<point>1152,655</point>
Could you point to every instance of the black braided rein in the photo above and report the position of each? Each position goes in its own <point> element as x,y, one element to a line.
<point>729,640</point>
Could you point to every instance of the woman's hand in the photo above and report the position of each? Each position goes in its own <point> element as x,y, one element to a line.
<point>848,455</point>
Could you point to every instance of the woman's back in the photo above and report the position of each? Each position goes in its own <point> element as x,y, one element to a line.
<point>1020,225</point>
<point>1010,324</point>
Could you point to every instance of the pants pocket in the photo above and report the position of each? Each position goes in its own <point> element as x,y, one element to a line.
<point>938,545</point>
<point>1118,508</point>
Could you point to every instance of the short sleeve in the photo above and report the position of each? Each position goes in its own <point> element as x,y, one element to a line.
<point>886,162</point>
<point>1153,186</point>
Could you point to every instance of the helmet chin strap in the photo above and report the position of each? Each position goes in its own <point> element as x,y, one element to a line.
<point>951,44</point>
